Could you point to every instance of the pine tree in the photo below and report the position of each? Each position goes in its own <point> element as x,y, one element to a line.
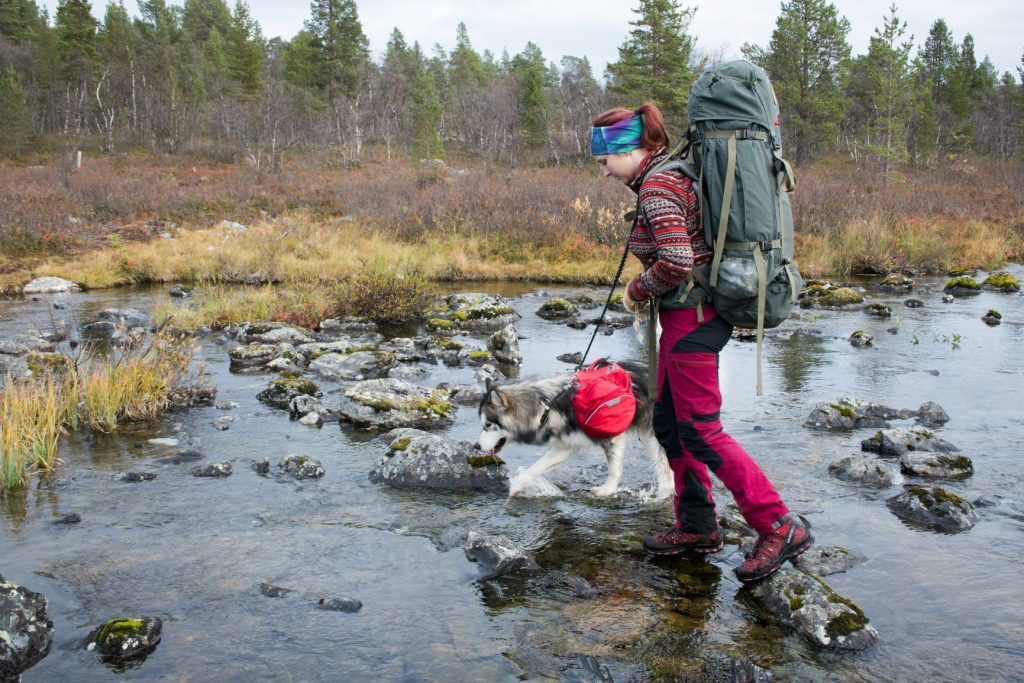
<point>531,73</point>
<point>806,59</point>
<point>76,31</point>
<point>344,49</point>
<point>200,18</point>
<point>15,121</point>
<point>302,62</point>
<point>466,68</point>
<point>19,20</point>
<point>426,117</point>
<point>245,51</point>
<point>889,65</point>
<point>654,62</point>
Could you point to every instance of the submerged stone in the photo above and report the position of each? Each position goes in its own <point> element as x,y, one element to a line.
<point>224,422</point>
<point>879,311</point>
<point>498,554</point>
<point>301,466</point>
<point>913,303</point>
<point>191,395</point>
<point>418,459</point>
<point>809,605</point>
<point>272,591</point>
<point>351,605</point>
<point>135,476</point>
<point>992,318</point>
<point>121,639</point>
<point>26,632</point>
<point>355,366</point>
<point>860,339</point>
<point>214,469</point>
<point>934,507</point>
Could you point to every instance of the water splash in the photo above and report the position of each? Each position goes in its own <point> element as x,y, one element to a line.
<point>524,485</point>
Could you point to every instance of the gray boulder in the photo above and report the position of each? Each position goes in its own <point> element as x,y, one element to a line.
<point>860,338</point>
<point>935,508</point>
<point>417,459</point>
<point>497,554</point>
<point>253,356</point>
<point>385,404</point>
<point>896,282</point>
<point>825,560</point>
<point>344,345</point>
<point>123,639</point>
<point>809,605</point>
<point>303,404</point>
<point>936,465</point>
<point>215,470</point>
<point>558,308</point>
<point>355,366</point>
<point>477,311</point>
<point>192,394</point>
<point>283,389</point>
<point>931,415</point>
<point>896,442</point>
<point>504,345</point>
<point>23,344</point>
<point>224,422</point>
<point>50,285</point>
<point>878,310</point>
<point>851,413</point>
<point>350,605</point>
<point>300,466</point>
<point>861,469</point>
<point>26,631</point>
<point>273,333</point>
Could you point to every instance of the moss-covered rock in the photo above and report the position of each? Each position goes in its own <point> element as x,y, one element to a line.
<point>861,338</point>
<point>878,310</point>
<point>963,272</point>
<point>934,507</point>
<point>283,389</point>
<point>558,308</point>
<point>1001,282</point>
<point>992,317</point>
<point>962,286</point>
<point>417,459</point>
<point>124,639</point>
<point>819,296</point>
<point>936,465</point>
<point>442,325</point>
<point>896,282</point>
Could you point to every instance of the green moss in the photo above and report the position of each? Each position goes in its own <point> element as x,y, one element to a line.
<point>960,272</point>
<point>401,444</point>
<point>880,308</point>
<point>498,342</point>
<point>1003,281</point>
<point>963,283</point>
<point>828,296</point>
<point>846,623</point>
<point>480,356</point>
<point>294,384</point>
<point>897,280</point>
<point>935,495</point>
<point>446,344</point>
<point>461,316</point>
<point>441,325</point>
<point>257,328</point>
<point>616,298</point>
<point>484,461</point>
<point>558,304</point>
<point>846,411</point>
<point>42,363</point>
<point>993,313</point>
<point>313,356</point>
<point>290,374</point>
<point>796,599</point>
<point>120,627</point>
<point>961,462</point>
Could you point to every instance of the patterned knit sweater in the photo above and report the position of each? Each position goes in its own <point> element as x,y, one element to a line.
<point>673,243</point>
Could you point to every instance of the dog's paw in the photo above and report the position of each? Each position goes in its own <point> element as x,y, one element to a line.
<point>604,491</point>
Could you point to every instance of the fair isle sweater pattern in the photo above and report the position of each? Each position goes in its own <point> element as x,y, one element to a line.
<point>672,243</point>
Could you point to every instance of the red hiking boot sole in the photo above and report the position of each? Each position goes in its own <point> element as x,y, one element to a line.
<point>674,552</point>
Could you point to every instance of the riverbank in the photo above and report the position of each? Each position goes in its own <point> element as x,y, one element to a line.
<point>134,220</point>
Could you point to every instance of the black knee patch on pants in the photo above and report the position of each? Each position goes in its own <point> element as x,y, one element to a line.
<point>696,512</point>
<point>695,443</point>
<point>665,425</point>
<point>710,337</point>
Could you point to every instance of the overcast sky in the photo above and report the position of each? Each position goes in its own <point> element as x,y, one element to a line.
<point>595,28</point>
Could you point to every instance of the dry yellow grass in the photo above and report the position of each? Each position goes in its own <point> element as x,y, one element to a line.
<point>98,392</point>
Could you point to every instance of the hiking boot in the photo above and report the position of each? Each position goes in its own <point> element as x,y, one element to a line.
<point>786,542</point>
<point>676,542</point>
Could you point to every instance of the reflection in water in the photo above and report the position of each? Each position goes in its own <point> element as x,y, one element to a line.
<point>796,354</point>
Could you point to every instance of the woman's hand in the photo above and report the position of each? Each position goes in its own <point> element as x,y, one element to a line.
<point>629,303</point>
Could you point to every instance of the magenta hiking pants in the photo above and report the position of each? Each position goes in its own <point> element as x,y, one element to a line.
<point>687,424</point>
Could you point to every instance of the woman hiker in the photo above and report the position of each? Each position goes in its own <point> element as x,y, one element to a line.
<point>669,241</point>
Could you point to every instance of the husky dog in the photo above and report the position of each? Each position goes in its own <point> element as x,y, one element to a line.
<point>540,412</point>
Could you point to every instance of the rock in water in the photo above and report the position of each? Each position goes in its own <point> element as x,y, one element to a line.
<point>935,508</point>
<point>50,285</point>
<point>504,345</point>
<point>498,554</point>
<point>26,632</point>
<point>417,459</point>
<point>896,442</point>
<point>808,604</point>
<point>861,469</point>
<point>272,591</point>
<point>301,467</point>
<point>214,469</point>
<point>340,604</point>
<point>936,465</point>
<point>825,560</point>
<point>121,639</point>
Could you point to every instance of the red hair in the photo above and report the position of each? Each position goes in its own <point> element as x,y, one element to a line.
<point>654,135</point>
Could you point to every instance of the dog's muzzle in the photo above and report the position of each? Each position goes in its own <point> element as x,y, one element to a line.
<point>497,447</point>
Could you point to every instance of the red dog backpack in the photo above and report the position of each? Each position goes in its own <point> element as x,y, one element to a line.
<point>604,404</point>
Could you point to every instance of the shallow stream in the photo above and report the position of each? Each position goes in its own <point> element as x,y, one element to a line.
<point>194,551</point>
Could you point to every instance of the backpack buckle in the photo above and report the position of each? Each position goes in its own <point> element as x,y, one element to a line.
<point>765,245</point>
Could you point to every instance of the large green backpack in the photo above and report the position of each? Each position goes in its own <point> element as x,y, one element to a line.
<point>743,186</point>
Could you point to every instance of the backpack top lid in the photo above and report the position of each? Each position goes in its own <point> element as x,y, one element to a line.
<point>733,95</point>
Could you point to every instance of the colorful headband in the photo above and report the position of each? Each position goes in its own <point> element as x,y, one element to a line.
<point>621,136</point>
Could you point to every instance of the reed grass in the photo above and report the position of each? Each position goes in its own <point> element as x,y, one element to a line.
<point>97,392</point>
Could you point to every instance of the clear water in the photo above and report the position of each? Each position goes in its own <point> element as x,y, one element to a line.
<point>194,551</point>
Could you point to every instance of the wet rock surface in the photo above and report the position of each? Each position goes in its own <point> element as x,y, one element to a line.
<point>50,285</point>
<point>384,404</point>
<point>253,356</point>
<point>26,631</point>
<point>504,346</point>
<point>867,471</point>
<point>418,459</point>
<point>476,311</point>
<point>935,508</point>
<point>896,442</point>
<point>807,604</point>
<point>498,555</point>
<point>135,477</point>
<point>274,333</point>
<point>355,366</point>
<point>124,639</point>
<point>300,466</point>
<point>216,470</point>
<point>558,308</point>
<point>850,413</point>
<point>936,465</point>
<point>271,591</point>
<point>350,605</point>
<point>826,560</point>
<point>721,668</point>
<point>283,389</point>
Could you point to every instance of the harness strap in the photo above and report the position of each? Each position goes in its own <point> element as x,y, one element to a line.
<point>723,217</point>
<point>762,292</point>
